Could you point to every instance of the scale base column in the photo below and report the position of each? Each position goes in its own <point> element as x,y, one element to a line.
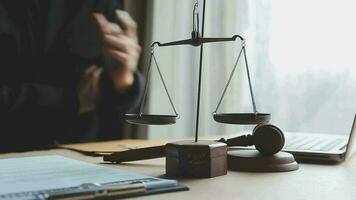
<point>202,159</point>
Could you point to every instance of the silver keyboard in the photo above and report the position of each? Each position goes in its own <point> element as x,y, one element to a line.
<point>311,143</point>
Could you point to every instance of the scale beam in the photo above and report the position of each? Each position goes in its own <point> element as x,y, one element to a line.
<point>198,41</point>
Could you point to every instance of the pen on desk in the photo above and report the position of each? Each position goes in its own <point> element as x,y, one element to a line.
<point>137,154</point>
<point>108,192</point>
<point>112,191</point>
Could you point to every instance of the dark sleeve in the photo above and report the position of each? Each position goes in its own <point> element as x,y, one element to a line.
<point>18,90</point>
<point>113,106</point>
<point>125,102</point>
<point>20,96</point>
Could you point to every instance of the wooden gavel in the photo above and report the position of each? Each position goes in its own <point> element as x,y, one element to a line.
<point>267,138</point>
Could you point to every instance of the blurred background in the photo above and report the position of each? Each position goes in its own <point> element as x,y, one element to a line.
<point>301,57</point>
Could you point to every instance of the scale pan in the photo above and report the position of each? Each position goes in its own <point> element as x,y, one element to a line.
<point>145,119</point>
<point>242,118</point>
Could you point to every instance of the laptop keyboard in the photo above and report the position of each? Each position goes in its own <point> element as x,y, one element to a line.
<point>313,143</point>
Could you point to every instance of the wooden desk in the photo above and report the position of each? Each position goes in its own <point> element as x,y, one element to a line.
<point>309,182</point>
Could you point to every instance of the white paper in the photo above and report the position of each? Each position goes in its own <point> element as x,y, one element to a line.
<point>51,172</point>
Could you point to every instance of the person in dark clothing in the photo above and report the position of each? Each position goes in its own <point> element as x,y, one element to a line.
<point>67,72</point>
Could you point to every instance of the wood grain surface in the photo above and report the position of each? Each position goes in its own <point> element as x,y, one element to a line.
<point>311,181</point>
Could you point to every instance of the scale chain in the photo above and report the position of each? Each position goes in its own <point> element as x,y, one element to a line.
<point>164,84</point>
<point>228,82</point>
<point>249,82</point>
<point>243,50</point>
<point>146,84</point>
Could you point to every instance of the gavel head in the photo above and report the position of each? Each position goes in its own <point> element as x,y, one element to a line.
<point>268,139</point>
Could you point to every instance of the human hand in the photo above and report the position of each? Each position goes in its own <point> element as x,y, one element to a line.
<point>120,48</point>
<point>88,89</point>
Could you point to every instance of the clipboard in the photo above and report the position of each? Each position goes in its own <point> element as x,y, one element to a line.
<point>50,177</point>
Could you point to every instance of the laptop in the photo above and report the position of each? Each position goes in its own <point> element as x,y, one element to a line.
<point>320,147</point>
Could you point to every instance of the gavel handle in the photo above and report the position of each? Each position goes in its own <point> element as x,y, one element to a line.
<point>243,140</point>
<point>160,151</point>
<point>136,154</point>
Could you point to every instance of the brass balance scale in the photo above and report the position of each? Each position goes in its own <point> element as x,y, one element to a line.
<point>202,158</point>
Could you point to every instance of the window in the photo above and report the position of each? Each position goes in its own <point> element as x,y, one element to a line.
<point>301,57</point>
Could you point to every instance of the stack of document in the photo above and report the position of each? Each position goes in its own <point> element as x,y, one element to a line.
<point>57,177</point>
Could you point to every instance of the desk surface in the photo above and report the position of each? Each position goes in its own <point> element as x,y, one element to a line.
<point>309,182</point>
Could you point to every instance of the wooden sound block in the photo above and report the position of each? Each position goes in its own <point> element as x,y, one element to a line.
<point>253,161</point>
<point>202,159</point>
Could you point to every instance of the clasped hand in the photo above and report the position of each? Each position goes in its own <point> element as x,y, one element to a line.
<point>121,52</point>
<point>120,47</point>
